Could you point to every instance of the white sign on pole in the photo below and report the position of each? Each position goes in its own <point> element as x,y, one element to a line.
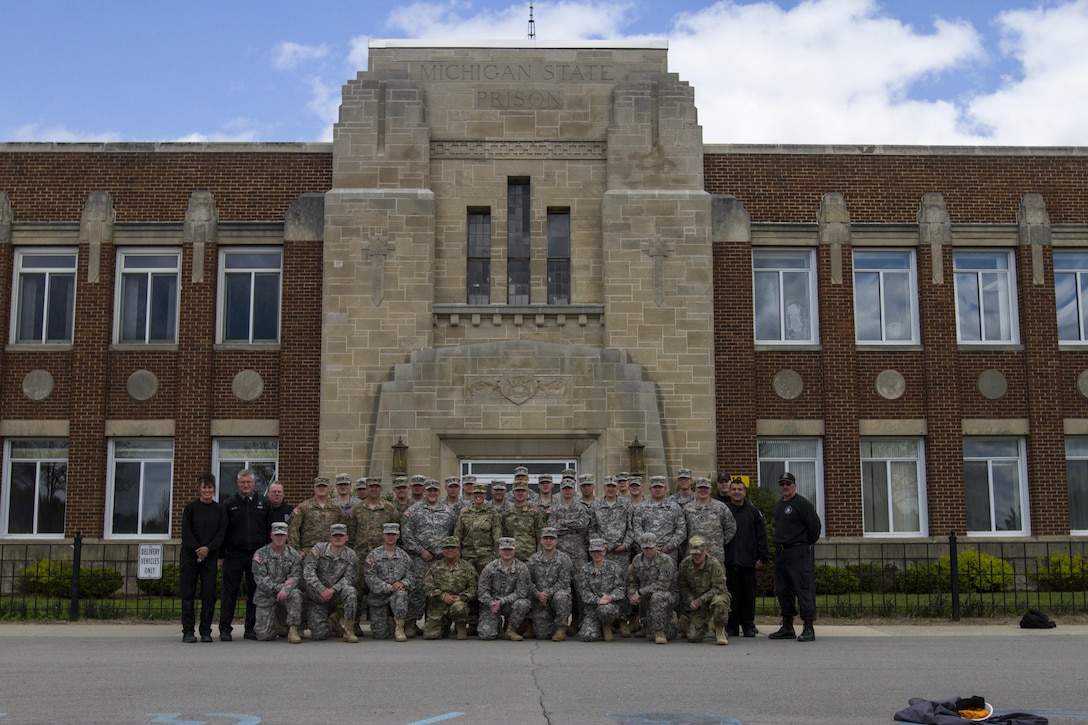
<point>150,562</point>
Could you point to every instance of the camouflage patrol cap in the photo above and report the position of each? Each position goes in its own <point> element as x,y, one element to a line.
<point>400,482</point>
<point>453,481</point>
<point>432,483</point>
<point>696,545</point>
<point>468,480</point>
<point>597,545</point>
<point>498,485</point>
<point>418,479</point>
<point>684,473</point>
<point>521,471</point>
<point>569,473</point>
<point>585,478</point>
<point>451,542</point>
<point>507,542</point>
<point>342,478</point>
<point>623,476</point>
<point>521,485</point>
<point>390,528</point>
<point>321,481</point>
<point>279,527</point>
<point>647,540</point>
<point>635,481</point>
<point>544,478</point>
<point>610,480</point>
<point>373,481</point>
<point>658,481</point>
<point>338,530</point>
<point>360,482</point>
<point>703,483</point>
<point>567,482</point>
<point>549,532</point>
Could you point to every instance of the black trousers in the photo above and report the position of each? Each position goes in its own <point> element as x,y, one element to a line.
<point>794,580</point>
<point>741,583</point>
<point>191,572</point>
<point>236,565</point>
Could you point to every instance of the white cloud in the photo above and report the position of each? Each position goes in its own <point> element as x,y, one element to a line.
<point>460,20</point>
<point>1049,103</point>
<point>37,133</point>
<point>236,130</point>
<point>288,55</point>
<point>325,104</point>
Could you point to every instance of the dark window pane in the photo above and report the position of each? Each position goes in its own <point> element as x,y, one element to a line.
<point>164,298</point>
<point>52,495</point>
<point>21,498</point>
<point>62,301</point>
<point>517,235</point>
<point>977,483</point>
<point>479,281</point>
<point>133,307</point>
<point>559,234</point>
<point>126,497</point>
<point>228,478</point>
<point>236,299</point>
<point>155,513</point>
<point>479,234</point>
<point>1077,476</point>
<point>31,308</point>
<point>559,282</point>
<point>518,273</point>
<point>266,307</point>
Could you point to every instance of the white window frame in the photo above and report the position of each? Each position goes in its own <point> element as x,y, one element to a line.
<point>884,275</point>
<point>22,268</point>
<point>981,276</point>
<point>1071,265</point>
<point>992,462</point>
<point>767,271</point>
<point>892,462</point>
<point>805,467</point>
<point>10,457</point>
<point>1076,451</point>
<point>223,451</point>
<point>150,458</point>
<point>150,274</point>
<point>221,321</point>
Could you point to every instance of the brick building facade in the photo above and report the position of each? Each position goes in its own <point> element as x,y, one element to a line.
<point>298,308</point>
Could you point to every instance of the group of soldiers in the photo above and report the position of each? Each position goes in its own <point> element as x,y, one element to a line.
<point>540,563</point>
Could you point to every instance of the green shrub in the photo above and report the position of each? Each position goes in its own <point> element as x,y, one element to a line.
<point>1061,573</point>
<point>871,577</point>
<point>978,573</point>
<point>54,579</point>
<point>925,578</point>
<point>833,580</point>
<point>168,586</point>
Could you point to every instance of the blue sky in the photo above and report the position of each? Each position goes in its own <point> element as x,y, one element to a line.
<point>978,72</point>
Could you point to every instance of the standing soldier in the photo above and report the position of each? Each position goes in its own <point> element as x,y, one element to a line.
<point>587,488</point>
<point>684,494</point>
<point>499,502</point>
<point>503,591</point>
<point>400,494</point>
<point>711,519</point>
<point>796,530</point>
<point>573,521</point>
<point>391,579</point>
<point>329,570</point>
<point>453,498</point>
<point>661,517</point>
<point>312,519</point>
<point>603,593</point>
<point>417,481</point>
<point>545,498</point>
<point>523,522</point>
<point>744,555</point>
<point>344,496</point>
<point>478,528</point>
<point>652,590</point>
<point>551,571</point>
<point>277,570</point>
<point>368,517</point>
<point>703,594</point>
<point>423,528</point>
<point>623,482</point>
<point>613,517</point>
<point>634,488</point>
<point>450,585</point>
<point>521,475</point>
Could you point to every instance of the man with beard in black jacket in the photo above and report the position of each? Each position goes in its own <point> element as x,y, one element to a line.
<point>745,554</point>
<point>249,520</point>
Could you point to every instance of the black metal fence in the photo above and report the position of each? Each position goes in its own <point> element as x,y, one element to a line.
<point>945,579</point>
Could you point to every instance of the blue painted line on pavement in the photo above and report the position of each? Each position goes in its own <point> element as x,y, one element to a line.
<point>437,718</point>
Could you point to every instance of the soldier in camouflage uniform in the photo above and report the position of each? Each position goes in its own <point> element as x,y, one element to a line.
<point>499,502</point>
<point>634,489</point>
<point>344,495</point>
<point>523,522</point>
<point>574,522</point>
<point>450,585</point>
<point>613,517</point>
<point>521,475</point>
<point>551,573</point>
<point>277,569</point>
<point>453,498</point>
<point>623,484</point>
<point>545,498</point>
<point>329,571</point>
<point>604,594</point>
<point>652,590</point>
<point>684,495</point>
<point>703,594</point>
<point>478,528</point>
<point>391,578</point>
<point>399,497</point>
<point>711,519</point>
<point>503,591</point>
<point>311,520</point>
<point>661,517</point>
<point>416,482</point>
<point>369,516</point>
<point>423,527</point>
<point>587,488</point>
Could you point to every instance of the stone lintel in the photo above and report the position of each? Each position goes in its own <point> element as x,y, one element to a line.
<point>905,427</point>
<point>10,428</point>
<point>766,427</point>
<point>139,428</point>
<point>995,427</point>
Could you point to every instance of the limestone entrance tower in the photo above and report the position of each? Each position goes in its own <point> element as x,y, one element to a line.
<point>517,261</point>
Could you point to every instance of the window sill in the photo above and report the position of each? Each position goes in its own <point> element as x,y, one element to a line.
<point>889,347</point>
<point>144,347</point>
<point>247,347</point>
<point>788,347</point>
<point>990,347</point>
<point>38,347</point>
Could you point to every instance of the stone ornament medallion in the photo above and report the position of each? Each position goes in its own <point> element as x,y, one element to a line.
<point>37,384</point>
<point>890,385</point>
<point>788,384</point>
<point>1082,384</point>
<point>142,385</point>
<point>992,384</point>
<point>247,385</point>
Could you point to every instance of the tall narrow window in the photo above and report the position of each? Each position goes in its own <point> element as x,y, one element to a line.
<point>993,470</point>
<point>985,297</point>
<point>784,295</point>
<point>35,487</point>
<point>558,256</point>
<point>479,256</point>
<point>892,488</point>
<point>232,455</point>
<point>803,457</point>
<point>249,293</point>
<point>140,480</point>
<point>1071,295</point>
<point>45,296</point>
<point>1076,474</point>
<point>147,296</point>
<point>885,301</point>
<point>517,242</point>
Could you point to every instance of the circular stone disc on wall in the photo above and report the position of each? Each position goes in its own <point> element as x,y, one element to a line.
<point>37,384</point>
<point>142,385</point>
<point>890,385</point>
<point>992,384</point>
<point>788,384</point>
<point>248,385</point>
<point>1082,383</point>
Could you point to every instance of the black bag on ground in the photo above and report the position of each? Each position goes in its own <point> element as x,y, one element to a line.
<point>1034,619</point>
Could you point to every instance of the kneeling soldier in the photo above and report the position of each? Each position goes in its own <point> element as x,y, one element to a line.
<point>277,569</point>
<point>503,591</point>
<point>551,572</point>
<point>330,571</point>
<point>703,593</point>
<point>390,577</point>
<point>651,589</point>
<point>450,585</point>
<point>603,590</point>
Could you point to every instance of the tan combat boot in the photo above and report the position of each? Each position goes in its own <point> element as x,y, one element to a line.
<point>606,631</point>
<point>398,633</point>
<point>462,630</point>
<point>293,636</point>
<point>719,636</point>
<point>411,630</point>
<point>280,627</point>
<point>660,638</point>
<point>334,622</point>
<point>560,635</point>
<point>512,635</point>
<point>349,635</point>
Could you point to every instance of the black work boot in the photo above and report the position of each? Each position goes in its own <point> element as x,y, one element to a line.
<point>807,635</point>
<point>785,631</point>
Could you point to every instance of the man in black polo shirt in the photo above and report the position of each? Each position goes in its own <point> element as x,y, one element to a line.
<point>796,529</point>
<point>249,520</point>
